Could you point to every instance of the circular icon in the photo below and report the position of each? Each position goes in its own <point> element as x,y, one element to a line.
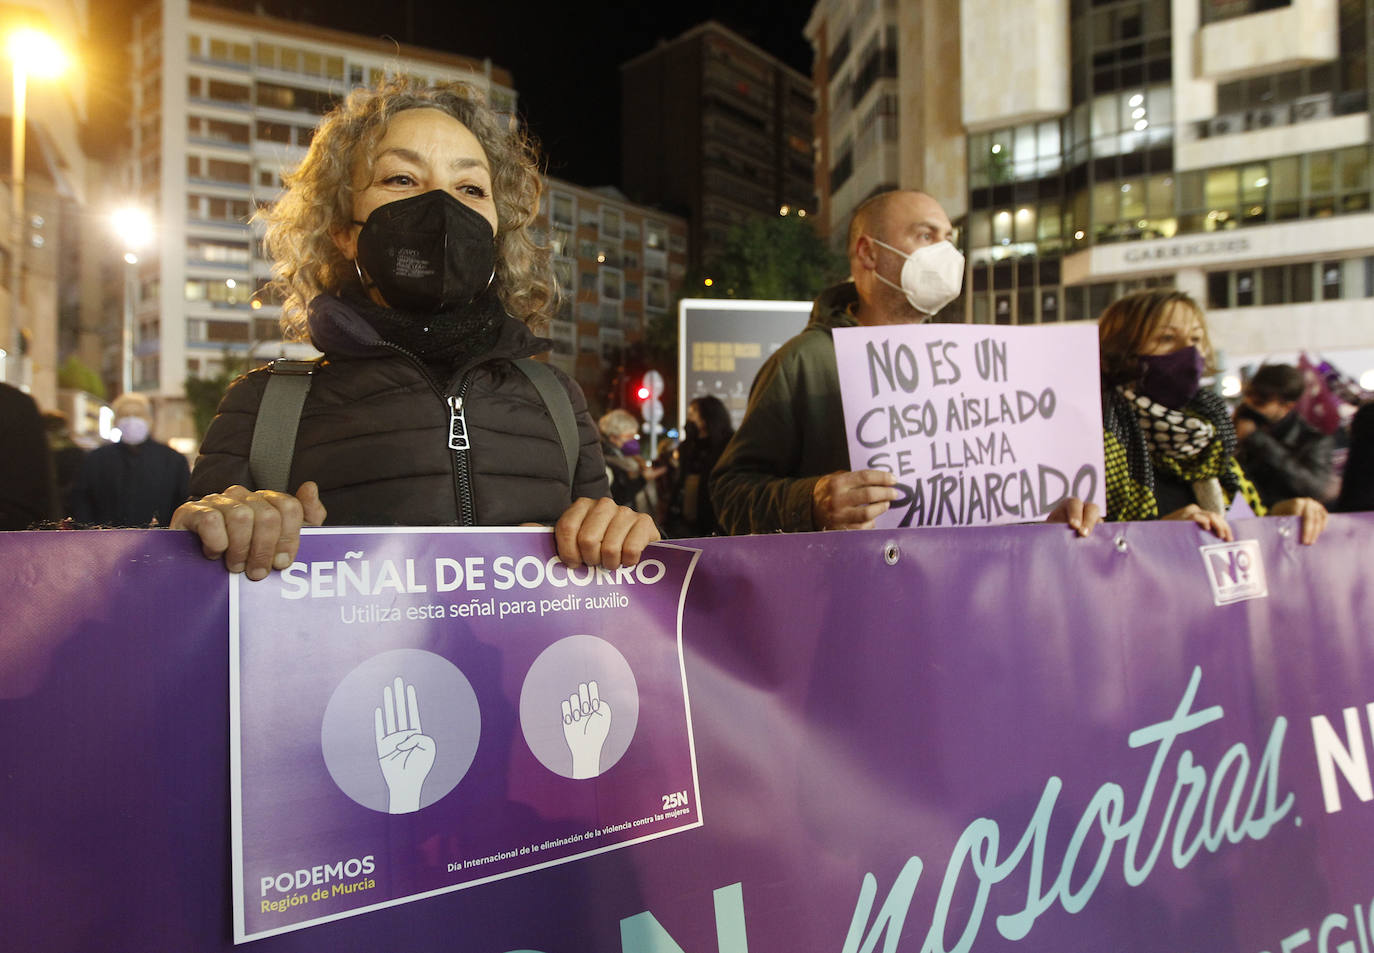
<point>579,707</point>
<point>400,730</point>
<point>653,411</point>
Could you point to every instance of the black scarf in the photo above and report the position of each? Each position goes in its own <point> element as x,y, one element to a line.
<point>445,339</point>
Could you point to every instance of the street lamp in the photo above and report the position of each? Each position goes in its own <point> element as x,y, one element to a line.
<point>134,227</point>
<point>31,53</point>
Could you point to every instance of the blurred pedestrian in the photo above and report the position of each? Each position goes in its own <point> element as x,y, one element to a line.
<point>136,482</point>
<point>27,491</point>
<point>1283,455</point>
<point>707,430</point>
<point>66,457</point>
<point>1357,485</point>
<point>629,473</point>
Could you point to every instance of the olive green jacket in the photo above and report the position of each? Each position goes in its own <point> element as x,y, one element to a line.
<point>792,433</point>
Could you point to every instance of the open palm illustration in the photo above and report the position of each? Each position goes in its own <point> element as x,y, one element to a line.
<point>405,753</point>
<point>586,722</point>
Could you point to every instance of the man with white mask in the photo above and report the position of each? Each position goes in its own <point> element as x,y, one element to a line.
<point>787,468</point>
<point>135,482</point>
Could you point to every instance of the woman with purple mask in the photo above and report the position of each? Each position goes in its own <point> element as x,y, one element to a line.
<point>1169,442</point>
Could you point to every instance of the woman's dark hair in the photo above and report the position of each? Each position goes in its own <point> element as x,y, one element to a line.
<point>719,428</point>
<point>1281,381</point>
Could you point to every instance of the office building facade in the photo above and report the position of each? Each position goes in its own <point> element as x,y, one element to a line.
<point>1089,147</point>
<point>715,129</point>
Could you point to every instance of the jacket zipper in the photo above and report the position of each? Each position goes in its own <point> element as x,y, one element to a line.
<point>460,445</point>
<point>462,466</point>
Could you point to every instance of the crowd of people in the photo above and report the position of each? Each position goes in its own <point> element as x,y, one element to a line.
<point>404,251</point>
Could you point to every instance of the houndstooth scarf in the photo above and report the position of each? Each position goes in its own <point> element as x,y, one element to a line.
<point>1193,443</point>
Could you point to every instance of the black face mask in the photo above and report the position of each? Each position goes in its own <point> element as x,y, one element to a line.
<point>427,253</point>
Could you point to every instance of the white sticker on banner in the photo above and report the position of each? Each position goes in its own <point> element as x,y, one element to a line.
<point>1235,570</point>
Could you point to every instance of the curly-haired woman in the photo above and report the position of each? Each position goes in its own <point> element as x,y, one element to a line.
<point>402,250</point>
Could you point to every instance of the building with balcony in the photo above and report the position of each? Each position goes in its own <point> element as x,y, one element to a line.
<point>716,129</point>
<point>1089,147</point>
<point>619,267</point>
<point>223,104</point>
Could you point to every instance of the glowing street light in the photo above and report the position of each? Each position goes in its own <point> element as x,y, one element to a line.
<point>36,54</point>
<point>33,53</point>
<point>133,226</point>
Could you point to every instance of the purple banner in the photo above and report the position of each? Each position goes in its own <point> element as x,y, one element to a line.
<point>416,712</point>
<point>912,740</point>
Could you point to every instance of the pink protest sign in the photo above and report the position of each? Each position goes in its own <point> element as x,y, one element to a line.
<point>981,425</point>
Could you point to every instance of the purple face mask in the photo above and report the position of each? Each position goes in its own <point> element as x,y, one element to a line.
<point>630,447</point>
<point>1172,379</point>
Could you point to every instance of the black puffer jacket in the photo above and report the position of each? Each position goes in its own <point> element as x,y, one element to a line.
<point>375,426</point>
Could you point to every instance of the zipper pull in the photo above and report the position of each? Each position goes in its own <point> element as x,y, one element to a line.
<point>457,425</point>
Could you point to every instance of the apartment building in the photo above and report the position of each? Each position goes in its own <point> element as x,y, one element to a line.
<point>716,129</point>
<point>223,104</point>
<point>619,265</point>
<point>1088,147</point>
<point>56,191</point>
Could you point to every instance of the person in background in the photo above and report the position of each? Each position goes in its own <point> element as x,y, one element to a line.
<point>137,482</point>
<point>27,491</point>
<point>1357,483</point>
<point>404,250</point>
<point>1283,455</point>
<point>628,473</point>
<point>1169,442</point>
<point>66,456</point>
<point>705,435</point>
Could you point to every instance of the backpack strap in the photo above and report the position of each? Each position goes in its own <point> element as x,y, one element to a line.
<point>556,399</point>
<point>279,417</point>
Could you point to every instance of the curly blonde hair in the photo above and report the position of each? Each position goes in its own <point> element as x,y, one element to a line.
<point>319,198</point>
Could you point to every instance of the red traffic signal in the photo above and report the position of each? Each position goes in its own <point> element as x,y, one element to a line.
<point>643,392</point>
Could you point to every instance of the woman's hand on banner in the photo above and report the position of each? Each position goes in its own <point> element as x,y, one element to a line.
<point>603,533</point>
<point>255,531</point>
<point>1312,513</point>
<point>1081,516</point>
<point>1214,523</point>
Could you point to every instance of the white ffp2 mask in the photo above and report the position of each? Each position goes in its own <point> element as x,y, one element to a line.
<point>932,277</point>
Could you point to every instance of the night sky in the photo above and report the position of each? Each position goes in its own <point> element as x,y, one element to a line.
<point>565,56</point>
